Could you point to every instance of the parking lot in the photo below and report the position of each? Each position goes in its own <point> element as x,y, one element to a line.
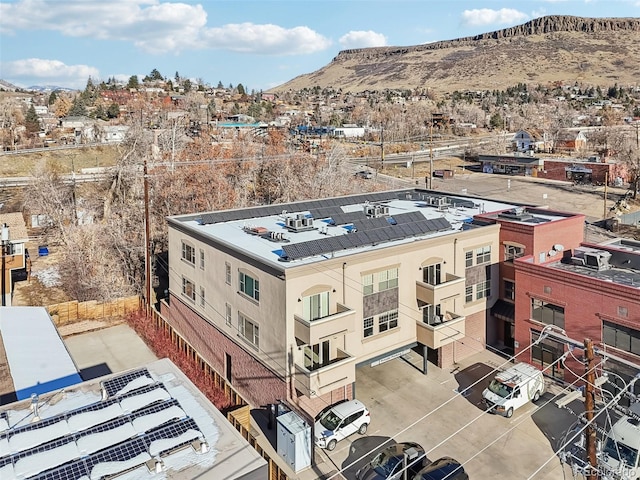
<point>408,406</point>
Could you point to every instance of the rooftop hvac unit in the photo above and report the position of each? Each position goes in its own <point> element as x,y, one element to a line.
<point>375,211</point>
<point>592,258</point>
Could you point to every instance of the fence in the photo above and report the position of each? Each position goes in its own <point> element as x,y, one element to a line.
<point>239,417</point>
<point>74,311</point>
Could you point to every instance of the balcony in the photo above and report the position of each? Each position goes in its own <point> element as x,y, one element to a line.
<point>438,331</point>
<point>311,332</point>
<point>337,373</point>
<point>453,286</point>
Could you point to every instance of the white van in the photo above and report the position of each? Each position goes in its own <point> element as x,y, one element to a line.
<point>619,457</point>
<point>513,388</point>
<point>339,422</point>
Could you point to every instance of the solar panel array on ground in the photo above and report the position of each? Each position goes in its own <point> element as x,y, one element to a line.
<point>173,425</point>
<point>371,232</point>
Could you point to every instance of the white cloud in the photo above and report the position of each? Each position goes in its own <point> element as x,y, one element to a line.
<point>486,16</point>
<point>265,39</point>
<point>362,39</point>
<point>32,70</point>
<point>154,27</point>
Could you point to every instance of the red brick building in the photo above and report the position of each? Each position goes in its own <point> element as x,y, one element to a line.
<point>593,292</point>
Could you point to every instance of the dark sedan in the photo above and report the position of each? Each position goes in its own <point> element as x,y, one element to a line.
<point>444,468</point>
<point>390,463</point>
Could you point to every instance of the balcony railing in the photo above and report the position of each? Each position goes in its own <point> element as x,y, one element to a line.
<point>311,332</point>
<point>335,373</point>
<point>440,330</point>
<point>452,287</point>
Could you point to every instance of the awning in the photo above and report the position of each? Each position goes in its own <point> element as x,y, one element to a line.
<point>504,311</point>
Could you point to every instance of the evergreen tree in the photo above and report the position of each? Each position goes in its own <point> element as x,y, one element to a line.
<point>78,108</point>
<point>187,85</point>
<point>240,89</point>
<point>113,111</point>
<point>100,113</point>
<point>52,98</point>
<point>220,85</point>
<point>31,121</point>
<point>133,82</point>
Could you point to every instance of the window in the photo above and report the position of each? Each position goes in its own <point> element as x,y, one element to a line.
<point>249,330</point>
<point>315,306</point>
<point>188,253</point>
<point>468,258</point>
<point>624,338</point>
<point>316,356</point>
<point>249,286</point>
<point>547,312</point>
<point>546,354</point>
<point>202,301</point>
<point>511,252</point>
<point>468,293</point>
<point>188,289</point>
<point>367,284</point>
<point>388,279</point>
<point>431,314</point>
<point>227,273</point>
<point>483,289</point>
<point>510,290</point>
<point>483,255</point>
<point>202,259</point>
<point>432,274</point>
<point>368,326</point>
<point>227,314</point>
<point>387,321</point>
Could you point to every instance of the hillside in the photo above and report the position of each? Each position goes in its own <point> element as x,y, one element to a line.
<point>593,51</point>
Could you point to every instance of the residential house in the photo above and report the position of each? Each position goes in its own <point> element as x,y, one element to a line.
<point>570,141</point>
<point>530,141</point>
<point>14,252</point>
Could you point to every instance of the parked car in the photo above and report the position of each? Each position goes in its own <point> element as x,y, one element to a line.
<point>366,174</point>
<point>445,468</point>
<point>513,388</point>
<point>390,464</point>
<point>340,421</point>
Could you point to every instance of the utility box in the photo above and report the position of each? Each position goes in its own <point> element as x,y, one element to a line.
<point>294,441</point>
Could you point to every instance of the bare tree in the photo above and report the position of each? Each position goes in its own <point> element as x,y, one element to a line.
<point>625,144</point>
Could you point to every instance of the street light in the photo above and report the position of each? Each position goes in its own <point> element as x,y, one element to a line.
<point>4,238</point>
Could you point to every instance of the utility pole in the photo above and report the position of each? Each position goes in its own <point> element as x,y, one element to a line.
<point>604,207</point>
<point>147,241</point>
<point>589,405</point>
<point>382,147</point>
<point>431,152</point>
<point>5,252</point>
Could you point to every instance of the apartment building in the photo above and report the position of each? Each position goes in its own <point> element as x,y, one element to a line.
<point>290,300</point>
<point>539,234</point>
<point>592,292</point>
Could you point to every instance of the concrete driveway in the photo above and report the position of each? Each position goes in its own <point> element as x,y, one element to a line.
<point>408,406</point>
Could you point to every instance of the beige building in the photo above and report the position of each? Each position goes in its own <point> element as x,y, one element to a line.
<point>288,301</point>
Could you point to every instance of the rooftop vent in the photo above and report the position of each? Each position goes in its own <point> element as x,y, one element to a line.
<point>592,258</point>
<point>299,223</point>
<point>376,210</point>
<point>518,214</point>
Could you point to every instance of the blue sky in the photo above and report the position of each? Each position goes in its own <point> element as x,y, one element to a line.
<point>260,44</point>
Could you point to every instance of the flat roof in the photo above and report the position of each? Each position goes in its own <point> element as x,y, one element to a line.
<point>337,226</point>
<point>148,423</point>
<point>528,215</point>
<point>37,358</point>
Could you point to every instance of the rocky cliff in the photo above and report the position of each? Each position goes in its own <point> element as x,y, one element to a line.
<point>553,48</point>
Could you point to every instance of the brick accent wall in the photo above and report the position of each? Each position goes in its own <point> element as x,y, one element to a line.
<point>473,341</point>
<point>314,405</point>
<point>254,381</point>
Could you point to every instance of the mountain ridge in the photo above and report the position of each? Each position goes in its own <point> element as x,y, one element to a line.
<point>608,48</point>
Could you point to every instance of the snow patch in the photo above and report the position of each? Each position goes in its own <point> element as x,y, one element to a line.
<point>49,277</point>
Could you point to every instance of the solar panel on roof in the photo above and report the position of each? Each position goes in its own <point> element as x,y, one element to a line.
<point>118,453</point>
<point>349,217</point>
<point>208,218</point>
<point>114,385</point>
<point>371,223</point>
<point>70,471</point>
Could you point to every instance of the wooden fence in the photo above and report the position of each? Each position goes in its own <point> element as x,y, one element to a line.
<point>239,417</point>
<point>74,311</point>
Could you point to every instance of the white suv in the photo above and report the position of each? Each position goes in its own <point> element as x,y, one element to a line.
<point>339,422</point>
